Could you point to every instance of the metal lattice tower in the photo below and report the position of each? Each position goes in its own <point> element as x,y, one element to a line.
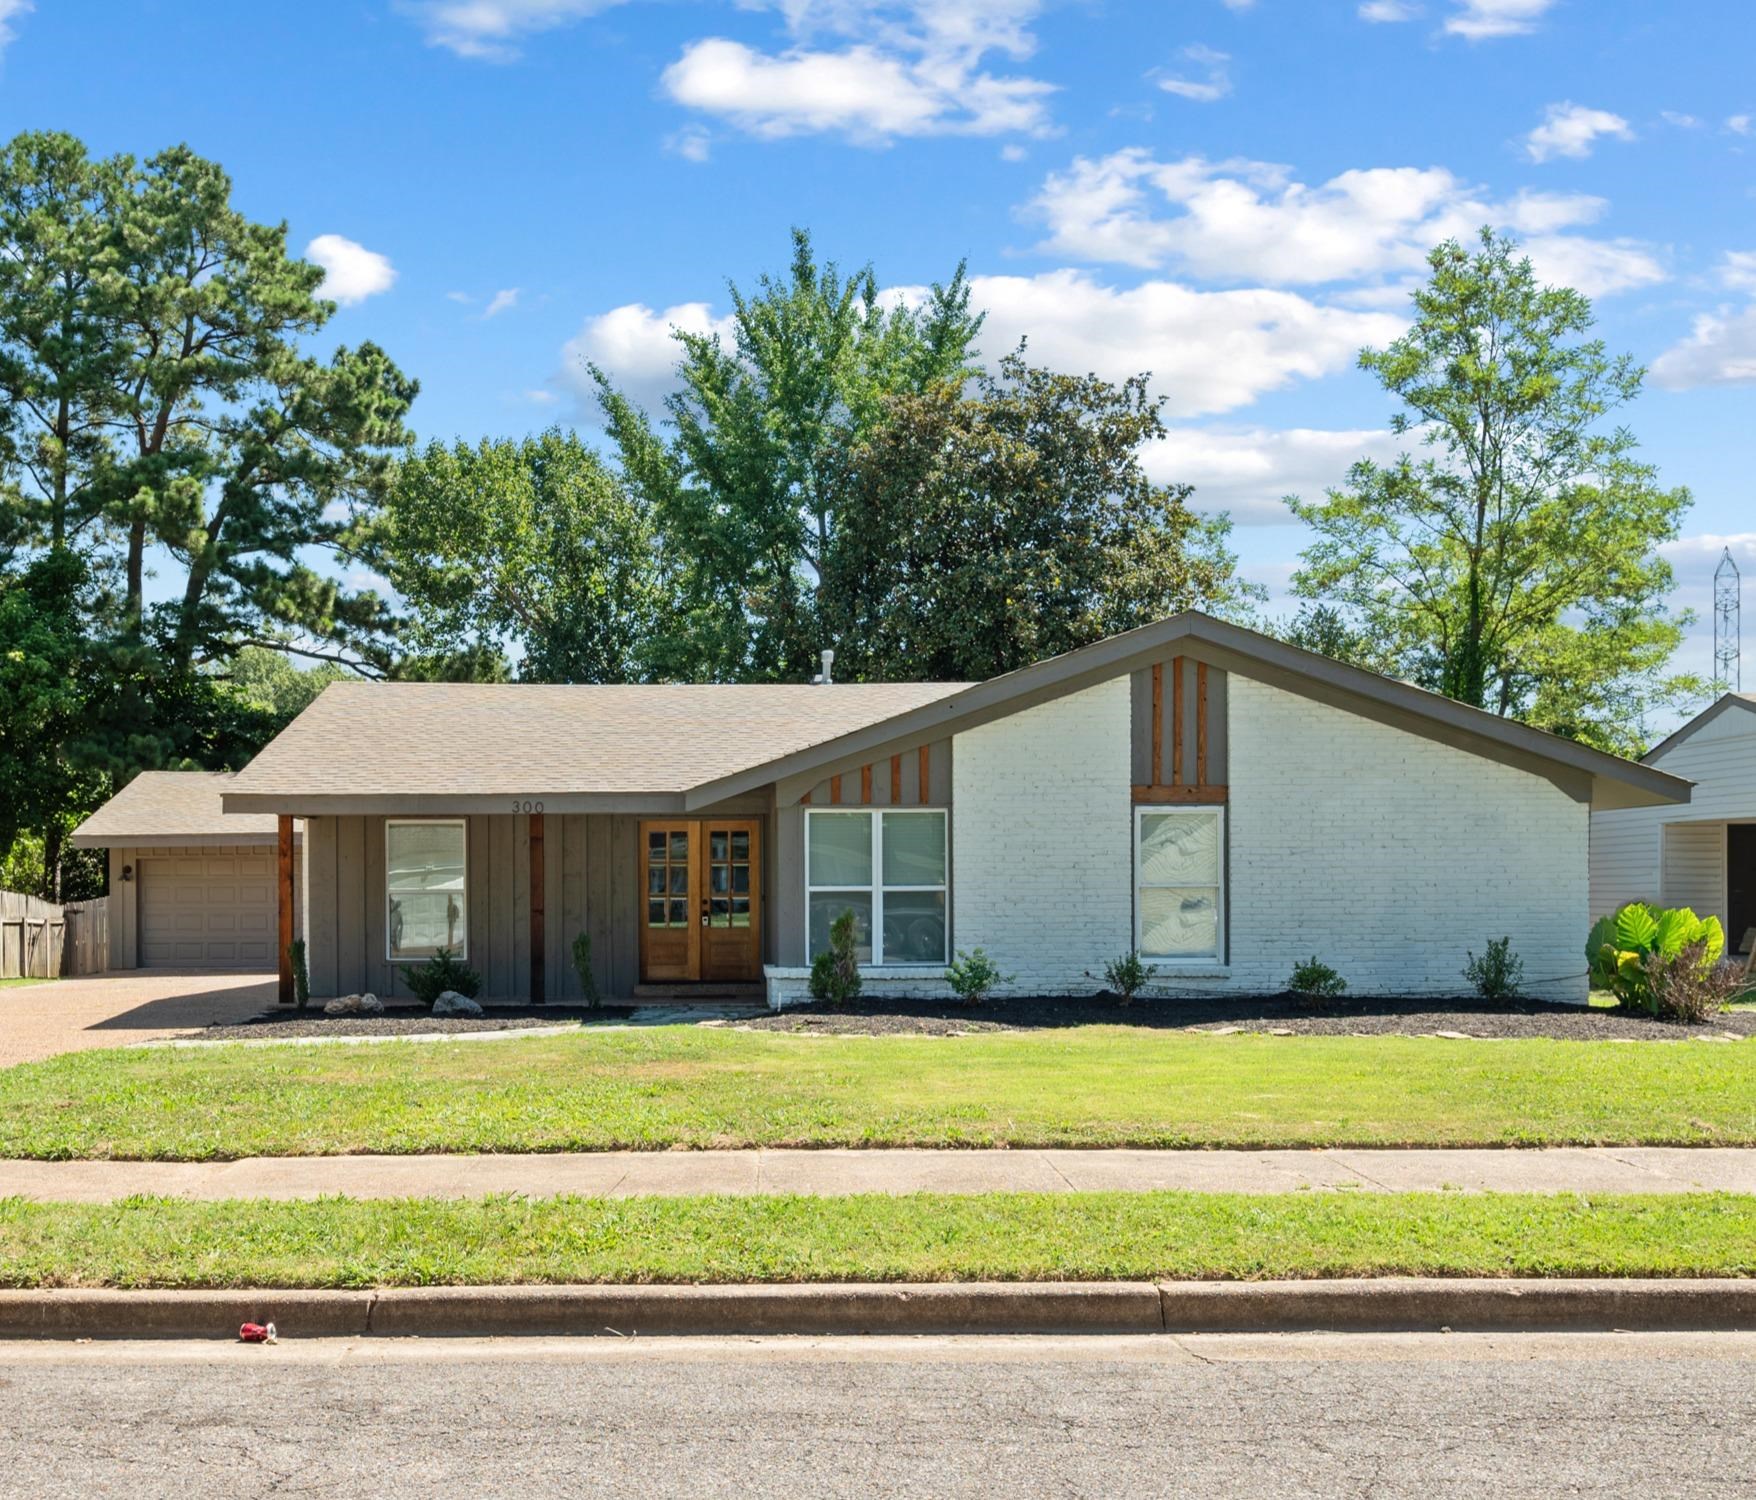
<point>1727,635</point>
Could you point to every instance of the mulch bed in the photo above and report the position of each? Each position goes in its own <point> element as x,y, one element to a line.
<point>405,1020</point>
<point>1276,1014</point>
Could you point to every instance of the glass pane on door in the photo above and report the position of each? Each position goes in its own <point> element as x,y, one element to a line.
<point>667,875</point>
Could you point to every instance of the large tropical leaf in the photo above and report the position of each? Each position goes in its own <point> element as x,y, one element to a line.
<point>1673,931</point>
<point>1602,935</point>
<point>1636,928</point>
<point>1715,937</point>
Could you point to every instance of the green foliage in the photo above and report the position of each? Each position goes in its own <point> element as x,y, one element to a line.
<point>988,524</point>
<point>1635,946</point>
<point>1314,980</point>
<point>747,491</point>
<point>1498,974</point>
<point>1691,987</point>
<point>301,973</point>
<point>588,981</point>
<point>1127,976</point>
<point>443,971</point>
<point>1516,565</point>
<point>533,544</point>
<point>272,683</point>
<point>1329,632</point>
<point>835,972</point>
<point>973,976</point>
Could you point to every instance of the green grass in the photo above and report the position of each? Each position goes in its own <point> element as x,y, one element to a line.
<point>7,984</point>
<point>697,1087</point>
<point>338,1242</point>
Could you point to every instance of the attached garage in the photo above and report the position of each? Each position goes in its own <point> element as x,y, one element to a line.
<point>191,887</point>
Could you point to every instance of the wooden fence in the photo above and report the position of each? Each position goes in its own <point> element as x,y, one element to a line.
<point>40,940</point>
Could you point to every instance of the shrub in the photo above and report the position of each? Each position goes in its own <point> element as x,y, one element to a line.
<point>835,972</point>
<point>1126,975</point>
<point>1691,987</point>
<point>1498,974</point>
<point>1620,945</point>
<point>443,971</point>
<point>301,972</point>
<point>588,982</point>
<point>1314,981</point>
<point>974,976</point>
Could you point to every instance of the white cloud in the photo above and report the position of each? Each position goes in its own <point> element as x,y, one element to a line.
<point>1741,124</point>
<point>1216,85</point>
<point>11,13</point>
<point>463,297</point>
<point>1719,350</point>
<point>492,29</point>
<point>1250,221</point>
<point>635,345</point>
<point>1249,471</point>
<point>1572,130</point>
<point>1679,119</point>
<point>351,272</point>
<point>538,396</point>
<point>1012,151</point>
<point>1479,20</point>
<point>1388,10</point>
<point>692,143</point>
<point>502,301</point>
<point>871,69</point>
<point>1738,270</point>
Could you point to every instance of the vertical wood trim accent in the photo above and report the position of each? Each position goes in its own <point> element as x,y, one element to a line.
<point>1158,722</point>
<point>895,780</point>
<point>1176,721</point>
<point>866,786</point>
<point>835,790</point>
<point>1201,723</point>
<point>284,902</point>
<point>804,799</point>
<point>924,791</point>
<point>538,884</point>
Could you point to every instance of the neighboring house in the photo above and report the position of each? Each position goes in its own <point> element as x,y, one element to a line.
<point>191,885</point>
<point>1702,855</point>
<point>1223,802</point>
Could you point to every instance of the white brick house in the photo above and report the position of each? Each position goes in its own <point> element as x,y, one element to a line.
<point>1220,802</point>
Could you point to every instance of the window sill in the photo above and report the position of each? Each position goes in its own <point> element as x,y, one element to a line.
<point>1201,970</point>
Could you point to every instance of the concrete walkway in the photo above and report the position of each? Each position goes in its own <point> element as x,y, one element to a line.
<point>624,1174</point>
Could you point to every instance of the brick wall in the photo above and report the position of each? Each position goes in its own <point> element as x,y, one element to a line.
<point>1041,862</point>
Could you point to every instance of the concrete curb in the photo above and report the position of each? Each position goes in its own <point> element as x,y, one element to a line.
<point>1387,1305</point>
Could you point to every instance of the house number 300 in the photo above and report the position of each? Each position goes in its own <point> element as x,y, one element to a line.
<point>527,806</point>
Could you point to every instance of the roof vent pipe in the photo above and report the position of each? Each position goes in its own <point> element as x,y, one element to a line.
<point>828,662</point>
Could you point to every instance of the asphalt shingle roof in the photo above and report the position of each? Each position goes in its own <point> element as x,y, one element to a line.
<point>169,806</point>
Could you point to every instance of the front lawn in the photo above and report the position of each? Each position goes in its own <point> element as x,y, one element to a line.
<point>7,984</point>
<point>701,1087</point>
<point>338,1242</point>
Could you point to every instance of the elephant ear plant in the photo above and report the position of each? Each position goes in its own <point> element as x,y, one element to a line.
<point>1632,951</point>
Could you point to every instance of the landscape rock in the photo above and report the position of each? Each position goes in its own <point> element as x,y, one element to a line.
<point>367,1004</point>
<point>451,1003</point>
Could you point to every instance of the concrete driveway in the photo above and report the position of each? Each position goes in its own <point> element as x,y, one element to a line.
<point>111,1010</point>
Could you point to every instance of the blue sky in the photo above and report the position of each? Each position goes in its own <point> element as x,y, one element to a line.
<point>1233,194</point>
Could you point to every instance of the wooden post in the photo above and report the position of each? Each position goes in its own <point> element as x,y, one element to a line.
<point>1177,721</point>
<point>538,959</point>
<point>865,786</point>
<point>1158,724</point>
<point>1200,723</point>
<point>895,780</point>
<point>924,771</point>
<point>284,901</point>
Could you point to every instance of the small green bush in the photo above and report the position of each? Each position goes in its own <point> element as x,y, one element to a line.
<point>443,971</point>
<point>1314,981</point>
<point>1127,976</point>
<point>1621,946</point>
<point>301,972</point>
<point>973,976</point>
<point>1498,974</point>
<point>835,972</point>
<point>1691,988</point>
<point>588,981</point>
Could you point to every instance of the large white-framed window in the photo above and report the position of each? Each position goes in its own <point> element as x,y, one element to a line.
<point>426,895</point>
<point>890,867</point>
<point>1179,884</point>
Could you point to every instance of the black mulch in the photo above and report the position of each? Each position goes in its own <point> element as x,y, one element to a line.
<point>405,1020</point>
<point>1277,1014</point>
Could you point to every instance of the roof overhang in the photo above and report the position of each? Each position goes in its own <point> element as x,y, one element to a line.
<point>171,839</point>
<point>1729,703</point>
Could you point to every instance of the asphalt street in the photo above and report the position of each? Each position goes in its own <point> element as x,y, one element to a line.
<point>1432,1416</point>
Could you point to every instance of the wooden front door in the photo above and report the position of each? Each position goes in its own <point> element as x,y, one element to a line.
<point>701,883</point>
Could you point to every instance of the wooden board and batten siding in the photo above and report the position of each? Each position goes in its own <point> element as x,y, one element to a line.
<point>1179,751</point>
<point>591,881</point>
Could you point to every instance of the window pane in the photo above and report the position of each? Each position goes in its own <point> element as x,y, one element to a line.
<point>1179,849</point>
<point>1179,923</point>
<point>423,922</point>
<point>826,906</point>
<point>914,849</point>
<point>679,845</point>
<point>425,857</point>
<point>914,927</point>
<point>840,849</point>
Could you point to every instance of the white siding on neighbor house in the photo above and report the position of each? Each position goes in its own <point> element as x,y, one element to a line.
<point>1627,860</point>
<point>1041,839</point>
<point>1391,856</point>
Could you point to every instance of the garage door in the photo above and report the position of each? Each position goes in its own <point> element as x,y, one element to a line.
<point>208,911</point>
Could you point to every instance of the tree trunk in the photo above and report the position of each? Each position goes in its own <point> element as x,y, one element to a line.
<point>52,862</point>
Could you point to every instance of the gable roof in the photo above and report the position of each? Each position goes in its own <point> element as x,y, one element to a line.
<point>1727,703</point>
<point>173,807</point>
<point>414,746</point>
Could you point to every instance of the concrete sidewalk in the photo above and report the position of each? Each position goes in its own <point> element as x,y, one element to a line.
<point>624,1174</point>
